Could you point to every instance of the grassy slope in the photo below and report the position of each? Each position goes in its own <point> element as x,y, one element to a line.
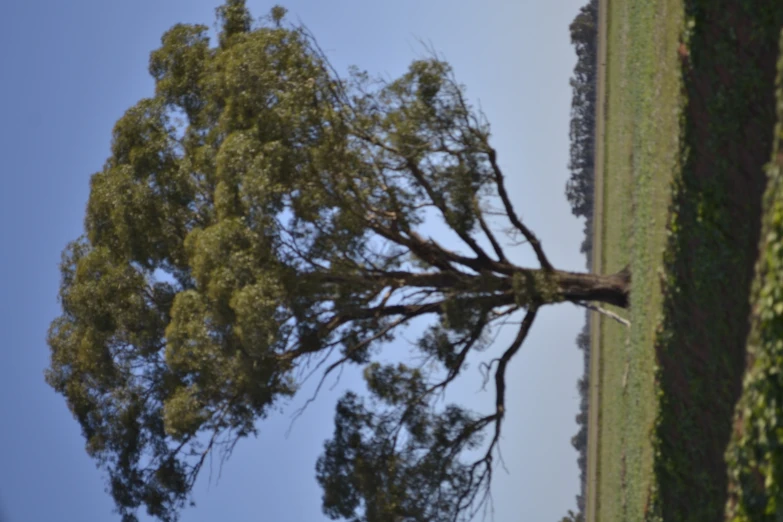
<point>755,456</point>
<point>711,250</point>
<point>643,97</point>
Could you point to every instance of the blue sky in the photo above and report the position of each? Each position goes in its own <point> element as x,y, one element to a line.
<point>70,69</point>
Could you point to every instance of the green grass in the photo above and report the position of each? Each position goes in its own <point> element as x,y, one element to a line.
<point>711,250</point>
<point>685,145</point>
<point>755,455</point>
<point>643,100</point>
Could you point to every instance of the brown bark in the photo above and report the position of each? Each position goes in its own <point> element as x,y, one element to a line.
<point>540,286</point>
<point>611,289</point>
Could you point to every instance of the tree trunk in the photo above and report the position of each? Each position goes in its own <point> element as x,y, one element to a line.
<point>611,289</point>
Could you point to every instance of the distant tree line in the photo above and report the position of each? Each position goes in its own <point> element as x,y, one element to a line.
<point>580,193</point>
<point>579,188</point>
<point>579,441</point>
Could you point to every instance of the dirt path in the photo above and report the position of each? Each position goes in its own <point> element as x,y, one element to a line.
<point>595,324</point>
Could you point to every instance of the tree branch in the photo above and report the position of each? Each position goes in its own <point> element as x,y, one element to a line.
<point>488,232</point>
<point>603,311</point>
<point>408,311</point>
<point>511,213</point>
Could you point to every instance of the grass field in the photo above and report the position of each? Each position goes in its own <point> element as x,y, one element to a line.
<point>685,142</point>
<point>727,135</point>
<point>640,154</point>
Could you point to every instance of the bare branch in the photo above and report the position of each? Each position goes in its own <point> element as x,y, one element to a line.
<point>339,363</point>
<point>484,478</point>
<point>603,311</point>
<point>511,213</point>
<point>500,373</point>
<point>437,199</point>
<point>488,232</point>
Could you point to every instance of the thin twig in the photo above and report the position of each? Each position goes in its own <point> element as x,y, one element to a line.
<point>605,312</point>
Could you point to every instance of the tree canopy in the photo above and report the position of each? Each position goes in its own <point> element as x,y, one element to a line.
<point>579,188</point>
<point>260,214</point>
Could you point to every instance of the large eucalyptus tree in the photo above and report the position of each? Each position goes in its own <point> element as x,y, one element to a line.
<point>260,214</point>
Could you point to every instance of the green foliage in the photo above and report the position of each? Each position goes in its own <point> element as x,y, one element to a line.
<point>393,465</point>
<point>535,287</point>
<point>755,455</point>
<point>573,517</point>
<point>579,188</point>
<point>259,214</point>
<point>729,72</point>
<point>234,19</point>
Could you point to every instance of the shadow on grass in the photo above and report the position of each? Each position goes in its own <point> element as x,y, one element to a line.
<point>728,76</point>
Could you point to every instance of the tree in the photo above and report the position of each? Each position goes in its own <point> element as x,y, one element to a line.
<point>259,214</point>
<point>573,517</point>
<point>580,191</point>
<point>579,188</point>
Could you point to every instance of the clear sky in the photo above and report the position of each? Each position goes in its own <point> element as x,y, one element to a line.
<point>70,69</point>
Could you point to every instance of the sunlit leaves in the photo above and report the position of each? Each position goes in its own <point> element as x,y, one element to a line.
<point>183,413</point>
<point>234,19</point>
<point>178,67</point>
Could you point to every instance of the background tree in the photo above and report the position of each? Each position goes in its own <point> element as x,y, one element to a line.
<point>579,192</point>
<point>259,215</point>
<point>573,517</point>
<point>579,188</point>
